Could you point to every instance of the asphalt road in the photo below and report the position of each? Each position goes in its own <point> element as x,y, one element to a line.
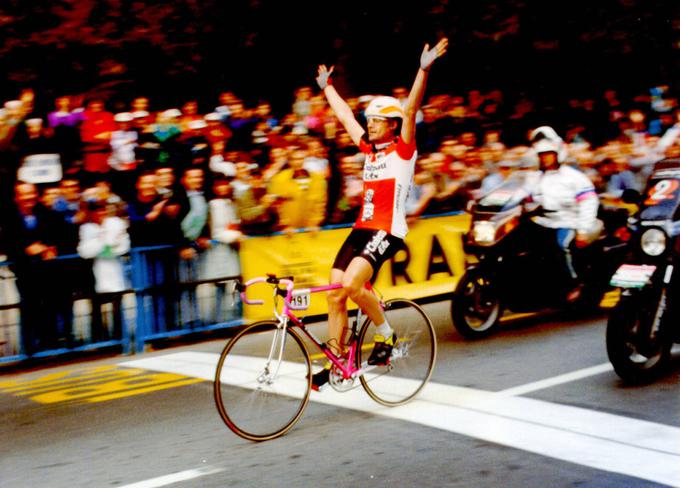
<point>533,406</point>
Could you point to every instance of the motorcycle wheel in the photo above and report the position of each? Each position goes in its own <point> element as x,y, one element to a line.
<point>476,306</point>
<point>636,358</point>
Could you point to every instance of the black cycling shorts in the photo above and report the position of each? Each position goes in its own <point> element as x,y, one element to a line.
<point>376,246</point>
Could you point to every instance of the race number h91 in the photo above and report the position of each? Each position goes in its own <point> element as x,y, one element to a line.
<point>300,299</point>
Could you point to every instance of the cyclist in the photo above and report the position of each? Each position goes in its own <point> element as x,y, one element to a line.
<point>390,155</point>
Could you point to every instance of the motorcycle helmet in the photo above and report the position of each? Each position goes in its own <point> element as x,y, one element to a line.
<point>545,145</point>
<point>544,132</point>
<point>545,139</point>
<point>387,107</point>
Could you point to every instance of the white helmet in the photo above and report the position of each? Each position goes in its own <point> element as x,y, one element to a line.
<point>545,139</point>
<point>544,132</point>
<point>546,145</point>
<point>388,107</point>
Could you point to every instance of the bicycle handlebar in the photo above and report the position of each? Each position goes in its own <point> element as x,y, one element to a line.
<point>262,279</point>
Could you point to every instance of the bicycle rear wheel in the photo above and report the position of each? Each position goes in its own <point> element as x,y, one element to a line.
<point>262,382</point>
<point>413,357</point>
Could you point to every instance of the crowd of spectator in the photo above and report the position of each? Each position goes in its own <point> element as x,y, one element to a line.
<point>180,177</point>
<point>82,180</point>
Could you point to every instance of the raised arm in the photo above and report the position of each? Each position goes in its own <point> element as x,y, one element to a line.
<point>415,97</point>
<point>342,110</point>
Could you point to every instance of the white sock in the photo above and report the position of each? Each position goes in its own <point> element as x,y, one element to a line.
<point>384,330</point>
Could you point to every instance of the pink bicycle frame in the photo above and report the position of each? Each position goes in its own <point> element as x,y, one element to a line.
<point>346,367</point>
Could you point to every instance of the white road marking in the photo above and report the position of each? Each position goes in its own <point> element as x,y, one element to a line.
<point>175,477</point>
<point>557,380</point>
<point>598,440</point>
<point>564,378</point>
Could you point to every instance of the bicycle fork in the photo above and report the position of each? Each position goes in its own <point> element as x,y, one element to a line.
<point>279,339</point>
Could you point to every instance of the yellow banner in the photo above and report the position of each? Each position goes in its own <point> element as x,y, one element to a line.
<point>430,265</point>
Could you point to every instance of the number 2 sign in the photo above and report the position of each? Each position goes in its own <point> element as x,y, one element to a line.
<point>663,190</point>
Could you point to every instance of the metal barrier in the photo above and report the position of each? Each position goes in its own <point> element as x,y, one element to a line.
<point>167,297</point>
<point>10,331</point>
<point>51,308</point>
<point>176,297</point>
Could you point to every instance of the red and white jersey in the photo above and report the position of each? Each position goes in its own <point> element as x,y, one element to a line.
<point>388,175</point>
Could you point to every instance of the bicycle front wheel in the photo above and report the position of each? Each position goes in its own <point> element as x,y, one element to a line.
<point>413,357</point>
<point>263,380</point>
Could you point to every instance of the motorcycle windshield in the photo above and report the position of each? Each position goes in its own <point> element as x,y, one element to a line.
<point>508,195</point>
<point>662,196</point>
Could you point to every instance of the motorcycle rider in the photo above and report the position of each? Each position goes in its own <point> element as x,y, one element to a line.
<point>569,200</point>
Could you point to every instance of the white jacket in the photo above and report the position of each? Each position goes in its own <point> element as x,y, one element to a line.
<point>223,218</point>
<point>105,243</point>
<point>669,137</point>
<point>571,196</point>
<point>123,144</point>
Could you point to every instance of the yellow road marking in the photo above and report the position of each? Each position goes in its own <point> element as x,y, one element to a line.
<point>93,384</point>
<point>57,377</point>
<point>113,389</point>
<point>113,396</point>
<point>78,381</point>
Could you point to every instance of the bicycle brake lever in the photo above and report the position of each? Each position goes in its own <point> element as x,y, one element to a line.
<point>236,289</point>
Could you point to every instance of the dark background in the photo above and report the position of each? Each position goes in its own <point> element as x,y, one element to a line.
<point>264,49</point>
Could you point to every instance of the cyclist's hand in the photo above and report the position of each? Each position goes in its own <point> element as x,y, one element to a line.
<point>430,55</point>
<point>323,78</point>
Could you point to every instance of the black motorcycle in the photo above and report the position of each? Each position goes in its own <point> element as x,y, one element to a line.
<point>644,324</point>
<point>517,272</point>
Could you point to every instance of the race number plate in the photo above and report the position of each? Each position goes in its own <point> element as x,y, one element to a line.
<point>632,275</point>
<point>300,299</point>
